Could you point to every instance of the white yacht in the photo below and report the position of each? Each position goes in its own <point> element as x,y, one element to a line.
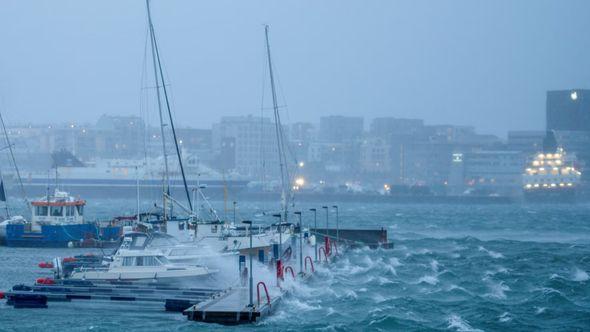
<point>142,265</point>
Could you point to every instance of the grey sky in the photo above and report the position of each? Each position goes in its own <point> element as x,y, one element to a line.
<point>481,63</point>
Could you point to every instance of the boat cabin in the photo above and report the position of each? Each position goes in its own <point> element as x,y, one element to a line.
<point>59,208</point>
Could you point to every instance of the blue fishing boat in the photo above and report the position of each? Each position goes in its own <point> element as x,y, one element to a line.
<point>58,221</point>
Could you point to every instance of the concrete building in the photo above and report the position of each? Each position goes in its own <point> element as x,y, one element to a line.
<point>526,141</point>
<point>568,110</point>
<point>339,129</point>
<point>252,140</point>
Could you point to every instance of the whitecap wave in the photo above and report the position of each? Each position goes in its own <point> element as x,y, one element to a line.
<point>580,275</point>
<point>428,279</point>
<point>459,324</point>
<point>492,254</point>
<point>505,317</point>
<point>497,290</point>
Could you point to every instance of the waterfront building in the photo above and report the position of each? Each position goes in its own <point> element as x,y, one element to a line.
<point>339,129</point>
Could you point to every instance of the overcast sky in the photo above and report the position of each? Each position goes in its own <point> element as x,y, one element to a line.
<point>481,63</point>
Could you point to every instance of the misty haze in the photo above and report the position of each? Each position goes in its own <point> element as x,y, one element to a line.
<point>299,165</point>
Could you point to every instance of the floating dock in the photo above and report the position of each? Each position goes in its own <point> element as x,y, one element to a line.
<point>230,306</point>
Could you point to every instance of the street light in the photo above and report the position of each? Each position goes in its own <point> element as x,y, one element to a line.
<point>337,226</point>
<point>235,203</point>
<point>315,229</point>
<point>300,242</point>
<point>251,282</point>
<point>327,238</point>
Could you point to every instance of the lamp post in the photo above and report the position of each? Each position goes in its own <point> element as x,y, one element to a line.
<point>298,213</point>
<point>251,282</point>
<point>327,239</point>
<point>315,227</point>
<point>337,226</point>
<point>235,203</point>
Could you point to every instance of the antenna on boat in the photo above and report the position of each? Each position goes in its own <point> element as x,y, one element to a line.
<point>159,77</point>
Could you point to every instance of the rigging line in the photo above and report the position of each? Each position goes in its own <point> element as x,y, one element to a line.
<point>20,180</point>
<point>155,44</point>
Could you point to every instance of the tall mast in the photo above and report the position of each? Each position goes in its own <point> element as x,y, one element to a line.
<point>158,72</point>
<point>278,131</point>
<point>20,179</point>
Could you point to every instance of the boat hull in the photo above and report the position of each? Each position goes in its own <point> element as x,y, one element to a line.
<point>59,236</point>
<point>560,195</point>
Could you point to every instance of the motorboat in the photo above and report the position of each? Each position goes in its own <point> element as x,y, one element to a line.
<point>141,266</point>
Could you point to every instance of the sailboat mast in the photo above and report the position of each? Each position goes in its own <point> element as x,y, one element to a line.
<point>156,57</point>
<point>9,144</point>
<point>278,130</point>
<point>166,184</point>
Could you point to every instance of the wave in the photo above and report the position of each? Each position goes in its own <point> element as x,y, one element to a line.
<point>492,254</point>
<point>580,275</point>
<point>497,290</point>
<point>428,279</point>
<point>505,317</point>
<point>459,324</point>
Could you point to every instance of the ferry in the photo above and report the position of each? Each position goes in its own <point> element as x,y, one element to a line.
<point>57,222</point>
<point>551,177</point>
<point>121,177</point>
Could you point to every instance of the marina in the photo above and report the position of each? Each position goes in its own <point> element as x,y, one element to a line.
<point>294,166</point>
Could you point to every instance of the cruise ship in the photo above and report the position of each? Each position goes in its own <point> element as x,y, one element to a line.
<point>121,177</point>
<point>551,177</point>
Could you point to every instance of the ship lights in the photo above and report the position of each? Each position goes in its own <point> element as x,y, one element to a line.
<point>536,163</point>
<point>574,95</point>
<point>569,184</point>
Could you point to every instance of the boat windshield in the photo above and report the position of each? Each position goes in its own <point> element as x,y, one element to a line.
<point>142,261</point>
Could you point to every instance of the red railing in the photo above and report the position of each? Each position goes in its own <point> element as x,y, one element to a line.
<point>310,262</point>
<point>265,290</point>
<point>288,268</point>
<point>322,249</point>
<point>335,247</point>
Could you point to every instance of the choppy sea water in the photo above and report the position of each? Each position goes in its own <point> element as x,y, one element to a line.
<point>453,268</point>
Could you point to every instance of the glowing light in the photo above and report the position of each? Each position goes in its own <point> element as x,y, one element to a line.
<point>529,185</point>
<point>541,156</point>
<point>386,187</point>
<point>574,95</point>
<point>300,182</point>
<point>570,184</point>
<point>301,164</point>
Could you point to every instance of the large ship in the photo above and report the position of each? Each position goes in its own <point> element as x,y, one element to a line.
<point>122,177</point>
<point>551,177</point>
